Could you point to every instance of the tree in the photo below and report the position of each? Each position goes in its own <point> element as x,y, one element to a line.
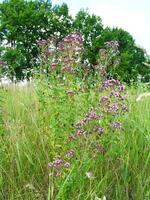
<point>22,24</point>
<point>131,57</point>
<point>90,26</point>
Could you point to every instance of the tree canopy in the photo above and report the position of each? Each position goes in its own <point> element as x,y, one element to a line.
<point>131,56</point>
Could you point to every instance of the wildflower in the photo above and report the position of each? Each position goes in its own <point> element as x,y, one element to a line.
<point>2,62</point>
<point>114,108</point>
<point>110,83</point>
<point>121,87</point>
<point>56,163</point>
<point>91,115</point>
<point>114,93</point>
<point>70,153</point>
<point>42,42</point>
<point>71,138</point>
<point>103,99</point>
<point>74,37</point>
<point>102,54</point>
<point>60,47</point>
<point>99,130</point>
<point>79,132</point>
<point>81,123</point>
<point>50,164</point>
<point>99,148</point>
<point>116,125</point>
<point>117,61</point>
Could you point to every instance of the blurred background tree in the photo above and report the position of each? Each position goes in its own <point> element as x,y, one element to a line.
<point>22,24</point>
<point>90,26</point>
<point>131,57</point>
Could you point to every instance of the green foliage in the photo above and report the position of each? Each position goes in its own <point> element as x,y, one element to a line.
<point>33,136</point>
<point>90,26</point>
<point>131,56</point>
<point>22,24</point>
<point>2,99</point>
<point>20,31</point>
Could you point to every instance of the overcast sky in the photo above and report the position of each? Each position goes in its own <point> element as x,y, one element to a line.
<point>131,15</point>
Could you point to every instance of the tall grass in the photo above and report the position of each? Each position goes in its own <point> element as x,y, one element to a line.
<point>31,136</point>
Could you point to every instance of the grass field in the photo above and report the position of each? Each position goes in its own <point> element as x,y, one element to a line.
<point>32,135</point>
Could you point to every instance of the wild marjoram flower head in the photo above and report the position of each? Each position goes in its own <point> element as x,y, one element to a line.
<point>108,57</point>
<point>101,119</point>
<point>64,54</point>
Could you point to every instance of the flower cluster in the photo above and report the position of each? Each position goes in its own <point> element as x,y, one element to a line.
<point>112,82</point>
<point>114,103</point>
<point>114,45</point>
<point>102,118</point>
<point>108,56</point>
<point>63,55</point>
<point>88,130</point>
<point>116,125</point>
<point>75,38</point>
<point>60,164</point>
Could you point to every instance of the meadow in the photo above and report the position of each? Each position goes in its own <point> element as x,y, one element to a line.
<point>72,134</point>
<point>31,136</point>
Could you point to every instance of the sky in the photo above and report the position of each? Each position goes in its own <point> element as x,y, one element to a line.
<point>131,15</point>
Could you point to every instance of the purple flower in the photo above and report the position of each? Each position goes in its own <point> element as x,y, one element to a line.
<point>114,93</point>
<point>56,163</point>
<point>71,138</point>
<point>74,37</point>
<point>92,115</point>
<point>110,83</point>
<point>60,47</point>
<point>114,107</point>
<point>103,99</point>
<point>117,94</point>
<point>70,153</point>
<point>42,42</point>
<point>116,125</point>
<point>81,123</point>
<point>121,87</point>
<point>79,132</point>
<point>99,130</point>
